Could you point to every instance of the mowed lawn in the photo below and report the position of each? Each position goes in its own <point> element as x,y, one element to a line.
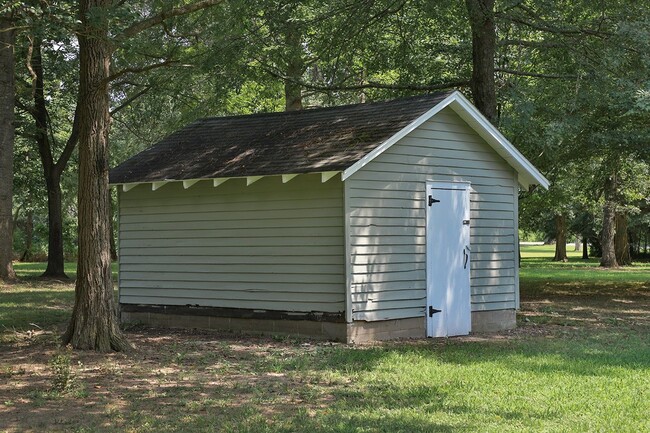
<point>578,362</point>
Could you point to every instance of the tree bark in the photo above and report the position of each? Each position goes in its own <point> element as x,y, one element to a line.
<point>560,239</point>
<point>29,236</point>
<point>585,248</point>
<point>113,243</point>
<point>94,323</point>
<point>481,19</point>
<point>295,67</point>
<point>7,100</point>
<point>608,259</point>
<point>621,241</point>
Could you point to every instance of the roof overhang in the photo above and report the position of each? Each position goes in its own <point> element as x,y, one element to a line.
<point>527,173</point>
<point>188,183</point>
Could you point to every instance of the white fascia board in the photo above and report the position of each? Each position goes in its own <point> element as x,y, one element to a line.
<point>395,138</point>
<point>528,174</point>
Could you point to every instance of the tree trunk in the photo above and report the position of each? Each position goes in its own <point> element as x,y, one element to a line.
<point>7,99</point>
<point>481,18</point>
<point>51,172</point>
<point>585,248</point>
<point>29,236</point>
<point>608,259</point>
<point>55,258</point>
<point>113,245</point>
<point>560,239</point>
<point>621,241</point>
<point>295,67</point>
<point>94,323</point>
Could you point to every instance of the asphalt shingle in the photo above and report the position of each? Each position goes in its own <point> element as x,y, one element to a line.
<point>314,140</point>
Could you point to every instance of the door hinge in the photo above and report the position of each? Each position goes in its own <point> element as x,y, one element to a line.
<point>433,200</point>
<point>433,311</point>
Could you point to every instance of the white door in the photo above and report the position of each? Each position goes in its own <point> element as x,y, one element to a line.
<point>448,308</point>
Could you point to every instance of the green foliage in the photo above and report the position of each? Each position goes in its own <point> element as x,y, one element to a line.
<point>63,376</point>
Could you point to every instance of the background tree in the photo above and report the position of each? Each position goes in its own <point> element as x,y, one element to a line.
<point>7,95</point>
<point>93,324</point>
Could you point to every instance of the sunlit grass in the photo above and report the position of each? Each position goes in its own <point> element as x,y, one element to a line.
<point>537,267</point>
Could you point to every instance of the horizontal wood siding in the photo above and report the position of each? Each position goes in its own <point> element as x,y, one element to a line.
<point>388,221</point>
<point>269,245</point>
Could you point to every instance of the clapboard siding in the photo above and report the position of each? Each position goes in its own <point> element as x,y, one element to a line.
<point>265,246</point>
<point>387,227</point>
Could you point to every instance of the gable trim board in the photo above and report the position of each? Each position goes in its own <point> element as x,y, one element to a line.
<point>274,244</point>
<point>528,174</point>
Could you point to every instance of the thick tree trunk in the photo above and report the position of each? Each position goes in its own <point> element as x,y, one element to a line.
<point>585,248</point>
<point>608,258</point>
<point>481,18</point>
<point>621,241</point>
<point>94,323</point>
<point>29,236</point>
<point>560,239</point>
<point>295,67</point>
<point>51,172</point>
<point>7,99</point>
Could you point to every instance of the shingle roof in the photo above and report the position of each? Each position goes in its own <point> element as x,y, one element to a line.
<point>314,140</point>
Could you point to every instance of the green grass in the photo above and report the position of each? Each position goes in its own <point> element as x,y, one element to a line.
<point>36,269</point>
<point>538,273</point>
<point>579,362</point>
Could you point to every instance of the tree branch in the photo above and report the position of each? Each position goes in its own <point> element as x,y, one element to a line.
<point>26,108</point>
<point>372,85</point>
<point>70,144</point>
<point>530,44</point>
<point>534,74</point>
<point>128,101</point>
<point>543,26</point>
<point>145,24</point>
<point>147,68</point>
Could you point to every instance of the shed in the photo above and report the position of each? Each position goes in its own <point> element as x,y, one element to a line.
<point>357,223</point>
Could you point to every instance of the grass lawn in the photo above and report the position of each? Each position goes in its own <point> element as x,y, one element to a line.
<point>578,362</point>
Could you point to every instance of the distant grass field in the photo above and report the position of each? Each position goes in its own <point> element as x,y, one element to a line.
<point>579,361</point>
<point>539,271</point>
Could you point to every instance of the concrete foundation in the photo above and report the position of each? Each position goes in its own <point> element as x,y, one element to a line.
<point>355,332</point>
<point>493,321</point>
<point>366,332</point>
<point>305,328</point>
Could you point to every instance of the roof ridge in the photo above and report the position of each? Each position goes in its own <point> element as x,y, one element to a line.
<point>330,108</point>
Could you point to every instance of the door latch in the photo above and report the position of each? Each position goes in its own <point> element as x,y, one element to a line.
<point>433,200</point>
<point>433,311</point>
